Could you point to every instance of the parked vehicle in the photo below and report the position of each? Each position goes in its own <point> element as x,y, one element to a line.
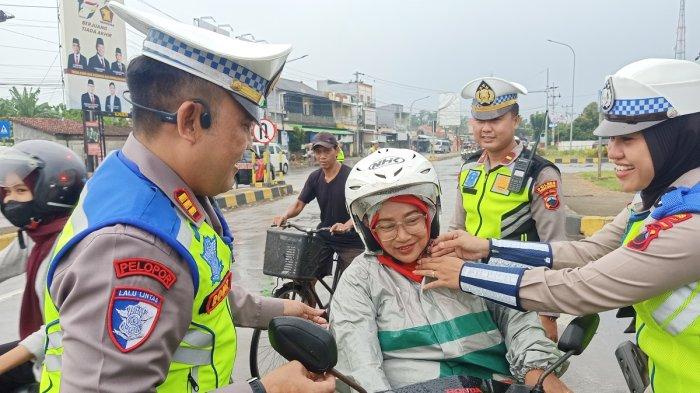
<point>278,156</point>
<point>244,166</point>
<point>442,146</point>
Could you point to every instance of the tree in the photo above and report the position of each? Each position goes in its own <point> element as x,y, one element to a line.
<point>25,103</point>
<point>537,121</point>
<point>6,108</point>
<point>586,123</point>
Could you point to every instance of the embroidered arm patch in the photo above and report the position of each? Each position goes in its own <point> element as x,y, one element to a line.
<point>132,316</point>
<point>549,193</point>
<point>145,267</point>
<point>651,232</point>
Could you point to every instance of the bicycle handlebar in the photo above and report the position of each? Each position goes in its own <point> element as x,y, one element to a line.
<point>310,231</point>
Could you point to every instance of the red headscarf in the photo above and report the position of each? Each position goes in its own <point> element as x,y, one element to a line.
<point>405,269</point>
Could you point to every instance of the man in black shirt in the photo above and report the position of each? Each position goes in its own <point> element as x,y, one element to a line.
<point>327,186</point>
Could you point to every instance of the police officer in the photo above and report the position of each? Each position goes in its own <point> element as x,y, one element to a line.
<point>486,207</point>
<point>648,255</point>
<point>140,293</point>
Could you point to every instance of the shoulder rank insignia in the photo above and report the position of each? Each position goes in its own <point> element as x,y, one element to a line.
<point>132,316</point>
<point>651,232</point>
<point>212,258</point>
<point>184,199</point>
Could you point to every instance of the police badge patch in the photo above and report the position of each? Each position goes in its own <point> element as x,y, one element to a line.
<point>471,179</point>
<point>212,258</point>
<point>132,316</point>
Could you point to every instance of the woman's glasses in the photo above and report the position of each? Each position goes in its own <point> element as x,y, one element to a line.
<point>413,224</point>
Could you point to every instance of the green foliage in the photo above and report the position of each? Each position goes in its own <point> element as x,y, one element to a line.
<point>296,139</point>
<point>6,108</point>
<point>26,103</point>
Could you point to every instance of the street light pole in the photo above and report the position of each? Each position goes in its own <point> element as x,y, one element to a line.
<point>410,110</point>
<point>573,85</point>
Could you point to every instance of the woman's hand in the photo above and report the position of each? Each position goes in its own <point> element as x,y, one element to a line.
<point>460,244</point>
<point>295,308</point>
<point>444,270</point>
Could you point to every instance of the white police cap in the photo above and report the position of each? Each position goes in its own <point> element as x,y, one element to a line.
<point>249,70</point>
<point>492,97</point>
<point>647,92</point>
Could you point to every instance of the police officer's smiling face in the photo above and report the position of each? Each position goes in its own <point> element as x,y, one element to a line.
<point>222,145</point>
<point>633,165</point>
<point>495,134</point>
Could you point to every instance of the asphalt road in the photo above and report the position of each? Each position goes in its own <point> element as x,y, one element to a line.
<point>594,371</point>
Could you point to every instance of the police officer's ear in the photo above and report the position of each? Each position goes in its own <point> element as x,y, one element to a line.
<point>189,120</point>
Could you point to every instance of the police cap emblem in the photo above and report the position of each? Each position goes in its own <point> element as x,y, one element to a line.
<point>607,96</point>
<point>484,94</point>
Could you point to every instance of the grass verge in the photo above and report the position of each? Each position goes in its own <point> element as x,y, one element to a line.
<point>607,179</point>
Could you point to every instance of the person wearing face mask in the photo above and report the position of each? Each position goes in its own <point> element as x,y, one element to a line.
<point>485,205</point>
<point>40,182</point>
<point>647,257</point>
<point>389,333</point>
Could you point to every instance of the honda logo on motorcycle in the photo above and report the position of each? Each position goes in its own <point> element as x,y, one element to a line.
<point>386,161</point>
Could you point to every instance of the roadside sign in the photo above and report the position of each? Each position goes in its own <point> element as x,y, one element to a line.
<point>265,132</point>
<point>5,128</point>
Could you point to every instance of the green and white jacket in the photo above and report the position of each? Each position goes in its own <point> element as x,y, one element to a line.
<point>391,334</point>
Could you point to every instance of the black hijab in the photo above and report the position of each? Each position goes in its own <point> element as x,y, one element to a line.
<point>674,146</point>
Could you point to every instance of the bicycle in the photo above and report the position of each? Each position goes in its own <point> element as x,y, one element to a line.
<point>293,256</point>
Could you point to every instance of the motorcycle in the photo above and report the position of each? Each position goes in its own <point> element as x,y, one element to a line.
<point>314,347</point>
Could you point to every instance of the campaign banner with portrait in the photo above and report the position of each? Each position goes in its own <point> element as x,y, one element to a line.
<point>95,58</point>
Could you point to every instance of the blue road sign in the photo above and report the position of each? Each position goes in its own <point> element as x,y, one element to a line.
<point>5,128</point>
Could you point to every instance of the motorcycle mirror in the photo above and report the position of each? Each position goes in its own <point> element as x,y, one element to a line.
<point>579,333</point>
<point>298,339</point>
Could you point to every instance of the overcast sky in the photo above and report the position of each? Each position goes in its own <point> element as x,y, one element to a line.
<point>435,44</point>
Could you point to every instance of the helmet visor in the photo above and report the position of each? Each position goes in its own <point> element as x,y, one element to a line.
<point>15,166</point>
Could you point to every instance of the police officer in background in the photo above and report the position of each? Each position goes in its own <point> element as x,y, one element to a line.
<point>485,206</point>
<point>649,256</point>
<point>140,291</point>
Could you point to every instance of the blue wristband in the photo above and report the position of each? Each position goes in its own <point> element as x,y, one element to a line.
<point>519,254</point>
<point>499,284</point>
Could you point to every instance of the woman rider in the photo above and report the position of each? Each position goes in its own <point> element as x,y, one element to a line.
<point>647,257</point>
<point>40,182</point>
<point>390,334</point>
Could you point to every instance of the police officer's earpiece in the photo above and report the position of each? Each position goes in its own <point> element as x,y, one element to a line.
<point>171,117</point>
<point>205,117</point>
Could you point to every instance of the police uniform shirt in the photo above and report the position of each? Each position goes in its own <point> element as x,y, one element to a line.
<point>550,223</point>
<point>597,273</point>
<point>85,278</point>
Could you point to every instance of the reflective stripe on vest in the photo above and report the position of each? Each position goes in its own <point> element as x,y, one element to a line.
<point>491,210</point>
<point>207,351</point>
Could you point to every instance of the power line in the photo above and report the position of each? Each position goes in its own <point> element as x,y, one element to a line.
<point>28,6</point>
<point>34,49</point>
<point>30,36</point>
<point>35,20</point>
<point>36,26</point>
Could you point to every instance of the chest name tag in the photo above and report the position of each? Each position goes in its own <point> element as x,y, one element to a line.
<point>470,181</point>
<point>500,185</point>
<point>217,296</point>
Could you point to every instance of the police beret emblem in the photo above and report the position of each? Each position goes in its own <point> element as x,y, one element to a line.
<point>484,94</point>
<point>607,96</point>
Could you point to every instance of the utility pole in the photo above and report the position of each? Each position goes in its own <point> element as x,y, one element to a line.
<point>358,135</point>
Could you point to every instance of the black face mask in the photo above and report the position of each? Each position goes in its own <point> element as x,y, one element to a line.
<point>19,214</point>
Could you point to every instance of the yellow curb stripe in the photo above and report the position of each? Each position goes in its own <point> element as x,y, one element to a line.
<point>230,201</point>
<point>249,197</point>
<point>267,193</point>
<point>592,224</point>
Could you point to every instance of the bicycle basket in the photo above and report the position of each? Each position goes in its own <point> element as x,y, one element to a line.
<point>291,254</point>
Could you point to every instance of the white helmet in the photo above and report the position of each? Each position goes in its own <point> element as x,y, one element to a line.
<point>647,92</point>
<point>386,173</point>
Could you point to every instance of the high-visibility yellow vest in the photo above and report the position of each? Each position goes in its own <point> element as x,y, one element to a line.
<point>668,329</point>
<point>204,359</point>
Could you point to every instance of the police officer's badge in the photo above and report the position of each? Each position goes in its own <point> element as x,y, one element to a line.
<point>471,179</point>
<point>133,313</point>
<point>485,94</point>
<point>607,96</point>
<point>212,258</point>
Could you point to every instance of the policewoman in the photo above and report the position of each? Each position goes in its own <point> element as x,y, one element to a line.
<point>140,295</point>
<point>649,256</point>
<point>487,206</point>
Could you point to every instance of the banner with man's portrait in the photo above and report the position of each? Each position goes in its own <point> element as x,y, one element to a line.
<point>95,57</point>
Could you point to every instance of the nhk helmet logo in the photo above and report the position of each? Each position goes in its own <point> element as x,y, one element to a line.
<point>386,161</point>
